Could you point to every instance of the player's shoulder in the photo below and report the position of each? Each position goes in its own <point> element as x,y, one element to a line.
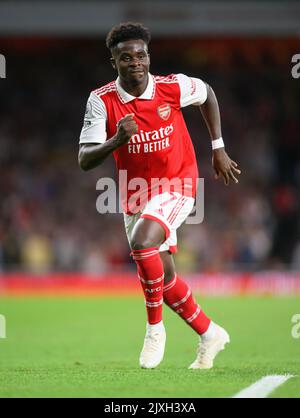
<point>168,79</point>
<point>103,90</point>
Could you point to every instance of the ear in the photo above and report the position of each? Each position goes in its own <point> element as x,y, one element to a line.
<point>113,63</point>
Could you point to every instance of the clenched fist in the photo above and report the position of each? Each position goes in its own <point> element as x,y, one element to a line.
<point>127,127</point>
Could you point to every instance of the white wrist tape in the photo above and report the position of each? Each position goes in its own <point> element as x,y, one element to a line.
<point>218,143</point>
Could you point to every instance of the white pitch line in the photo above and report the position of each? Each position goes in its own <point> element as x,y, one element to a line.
<point>263,387</point>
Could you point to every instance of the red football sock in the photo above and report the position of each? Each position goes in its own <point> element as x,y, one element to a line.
<point>178,296</point>
<point>151,274</point>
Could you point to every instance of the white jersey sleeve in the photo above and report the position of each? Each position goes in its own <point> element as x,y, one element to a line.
<point>193,91</point>
<point>94,126</point>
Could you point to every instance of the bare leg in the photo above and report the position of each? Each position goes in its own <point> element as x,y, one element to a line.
<point>147,234</point>
<point>169,265</point>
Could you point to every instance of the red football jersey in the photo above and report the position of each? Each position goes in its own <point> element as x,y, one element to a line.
<point>162,151</point>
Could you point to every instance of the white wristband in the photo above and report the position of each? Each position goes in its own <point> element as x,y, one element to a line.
<point>218,143</point>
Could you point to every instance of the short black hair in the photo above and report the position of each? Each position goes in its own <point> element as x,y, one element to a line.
<point>127,32</point>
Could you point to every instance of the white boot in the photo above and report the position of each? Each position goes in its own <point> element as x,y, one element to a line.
<point>211,343</point>
<point>154,346</point>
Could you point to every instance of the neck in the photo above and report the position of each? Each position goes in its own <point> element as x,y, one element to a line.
<point>135,88</point>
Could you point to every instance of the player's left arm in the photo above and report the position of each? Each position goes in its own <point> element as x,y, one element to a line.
<point>223,165</point>
<point>196,92</point>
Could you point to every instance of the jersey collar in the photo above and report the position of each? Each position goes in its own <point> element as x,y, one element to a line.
<point>147,95</point>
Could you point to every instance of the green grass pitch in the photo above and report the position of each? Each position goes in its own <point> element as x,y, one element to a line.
<point>89,347</point>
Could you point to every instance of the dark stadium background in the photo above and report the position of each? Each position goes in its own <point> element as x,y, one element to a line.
<point>48,219</point>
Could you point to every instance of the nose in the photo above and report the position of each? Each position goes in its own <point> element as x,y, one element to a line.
<point>135,61</point>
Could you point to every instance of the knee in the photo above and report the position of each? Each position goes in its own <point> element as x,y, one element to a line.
<point>141,240</point>
<point>142,244</point>
<point>146,234</point>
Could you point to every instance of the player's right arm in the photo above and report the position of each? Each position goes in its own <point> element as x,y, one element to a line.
<point>92,155</point>
<point>94,146</point>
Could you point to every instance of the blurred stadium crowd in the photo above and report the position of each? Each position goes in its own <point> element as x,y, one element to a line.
<point>48,217</point>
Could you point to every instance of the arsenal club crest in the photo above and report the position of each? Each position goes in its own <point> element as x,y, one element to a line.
<point>164,111</point>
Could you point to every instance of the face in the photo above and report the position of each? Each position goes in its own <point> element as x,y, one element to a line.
<point>131,60</point>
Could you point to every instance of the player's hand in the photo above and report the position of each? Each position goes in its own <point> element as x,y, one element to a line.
<point>224,166</point>
<point>127,127</point>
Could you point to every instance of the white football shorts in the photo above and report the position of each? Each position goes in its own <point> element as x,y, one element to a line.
<point>170,210</point>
